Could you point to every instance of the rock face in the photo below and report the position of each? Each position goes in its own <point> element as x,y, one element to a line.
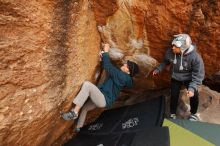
<point>143,29</point>
<point>48,48</point>
<point>209,102</point>
<point>213,81</point>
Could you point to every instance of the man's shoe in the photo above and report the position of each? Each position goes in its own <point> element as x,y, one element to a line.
<point>194,117</point>
<point>172,116</point>
<point>70,116</point>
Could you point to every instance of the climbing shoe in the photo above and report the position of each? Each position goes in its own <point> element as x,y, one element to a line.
<point>69,116</point>
<point>77,130</point>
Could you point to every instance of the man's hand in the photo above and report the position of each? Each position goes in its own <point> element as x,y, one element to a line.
<point>106,47</point>
<point>189,94</point>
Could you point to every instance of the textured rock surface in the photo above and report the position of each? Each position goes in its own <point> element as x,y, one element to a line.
<point>209,101</point>
<point>142,30</point>
<point>213,81</point>
<point>48,48</point>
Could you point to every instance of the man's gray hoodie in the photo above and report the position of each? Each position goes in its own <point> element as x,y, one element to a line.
<point>193,67</point>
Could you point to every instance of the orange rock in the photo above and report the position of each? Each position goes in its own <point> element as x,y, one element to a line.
<point>48,48</point>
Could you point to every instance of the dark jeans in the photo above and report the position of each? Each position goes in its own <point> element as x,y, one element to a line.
<point>175,92</point>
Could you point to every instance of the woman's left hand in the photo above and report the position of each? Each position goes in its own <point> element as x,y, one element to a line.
<point>106,47</point>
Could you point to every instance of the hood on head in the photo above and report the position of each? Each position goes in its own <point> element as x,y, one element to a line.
<point>191,49</point>
<point>182,41</point>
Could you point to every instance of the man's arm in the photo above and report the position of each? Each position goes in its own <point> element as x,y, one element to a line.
<point>161,67</point>
<point>198,74</point>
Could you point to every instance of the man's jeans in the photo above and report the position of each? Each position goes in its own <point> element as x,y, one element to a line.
<point>175,92</point>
